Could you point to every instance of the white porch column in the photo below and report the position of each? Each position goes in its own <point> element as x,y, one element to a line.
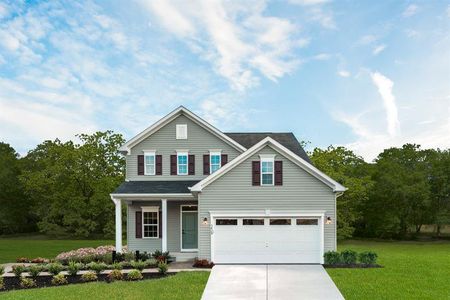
<point>118,204</point>
<point>164,224</point>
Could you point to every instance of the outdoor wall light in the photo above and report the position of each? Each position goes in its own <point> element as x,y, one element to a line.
<point>328,221</point>
<point>205,221</point>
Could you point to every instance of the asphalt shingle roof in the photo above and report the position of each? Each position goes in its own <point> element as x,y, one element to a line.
<point>155,187</point>
<point>287,139</point>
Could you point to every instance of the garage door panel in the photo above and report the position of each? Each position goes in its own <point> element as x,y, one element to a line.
<point>267,243</point>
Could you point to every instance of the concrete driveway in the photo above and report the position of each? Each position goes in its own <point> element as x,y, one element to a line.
<point>258,282</point>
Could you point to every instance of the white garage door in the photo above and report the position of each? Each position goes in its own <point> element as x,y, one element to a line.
<point>266,240</point>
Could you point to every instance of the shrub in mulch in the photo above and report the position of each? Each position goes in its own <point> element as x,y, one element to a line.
<point>203,263</point>
<point>14,283</point>
<point>350,259</point>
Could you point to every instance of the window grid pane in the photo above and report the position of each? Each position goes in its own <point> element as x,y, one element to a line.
<point>149,164</point>
<point>150,224</point>
<point>267,172</point>
<point>182,164</point>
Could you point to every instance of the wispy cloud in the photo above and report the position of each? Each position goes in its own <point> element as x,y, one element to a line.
<point>384,86</point>
<point>378,49</point>
<point>344,73</point>
<point>308,2</point>
<point>410,11</point>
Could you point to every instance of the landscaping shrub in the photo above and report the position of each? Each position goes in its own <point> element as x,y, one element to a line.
<point>59,279</point>
<point>135,275</point>
<point>87,255</point>
<point>55,268</point>
<point>89,276</point>
<point>368,258</point>
<point>332,258</point>
<point>27,283</point>
<point>161,256</point>
<point>22,260</point>
<point>151,263</point>
<point>2,270</point>
<point>162,267</point>
<point>34,271</point>
<point>39,260</point>
<point>349,257</point>
<point>2,284</point>
<point>140,265</point>
<point>97,267</point>
<point>115,275</point>
<point>18,270</point>
<point>203,263</point>
<point>117,266</point>
<point>73,268</point>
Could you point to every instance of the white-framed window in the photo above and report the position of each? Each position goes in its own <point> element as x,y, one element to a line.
<point>150,222</point>
<point>182,163</point>
<point>181,131</point>
<point>149,163</point>
<point>267,170</point>
<point>215,161</point>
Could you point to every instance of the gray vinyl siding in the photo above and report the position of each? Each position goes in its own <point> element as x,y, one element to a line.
<point>234,191</point>
<point>173,227</point>
<point>164,141</point>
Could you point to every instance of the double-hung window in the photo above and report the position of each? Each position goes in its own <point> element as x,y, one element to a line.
<point>182,163</point>
<point>150,222</point>
<point>214,161</point>
<point>267,172</point>
<point>149,163</point>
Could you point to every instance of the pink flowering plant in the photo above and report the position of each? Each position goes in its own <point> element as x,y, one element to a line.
<point>86,255</point>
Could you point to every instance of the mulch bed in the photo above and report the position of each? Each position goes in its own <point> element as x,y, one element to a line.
<point>13,283</point>
<point>352,266</point>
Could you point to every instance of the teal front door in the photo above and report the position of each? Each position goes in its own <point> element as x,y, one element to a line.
<point>189,230</point>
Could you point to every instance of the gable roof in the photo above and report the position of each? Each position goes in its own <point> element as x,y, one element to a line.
<point>337,187</point>
<point>170,117</point>
<point>155,187</point>
<point>287,139</point>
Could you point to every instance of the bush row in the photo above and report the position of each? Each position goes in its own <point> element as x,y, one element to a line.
<point>350,257</point>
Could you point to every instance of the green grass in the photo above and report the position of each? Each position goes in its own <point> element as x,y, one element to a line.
<point>31,247</point>
<point>412,270</point>
<point>184,285</point>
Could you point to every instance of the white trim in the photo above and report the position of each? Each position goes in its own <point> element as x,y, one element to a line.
<point>211,154</point>
<point>263,214</point>
<point>146,154</point>
<point>284,151</point>
<point>170,117</point>
<point>164,224</point>
<point>181,132</point>
<point>267,158</point>
<point>145,209</point>
<point>187,163</point>
<point>181,227</point>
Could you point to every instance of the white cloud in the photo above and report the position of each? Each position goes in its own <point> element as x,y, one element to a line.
<point>238,39</point>
<point>324,18</point>
<point>384,86</point>
<point>308,2</point>
<point>322,56</point>
<point>344,73</point>
<point>367,39</point>
<point>410,11</point>
<point>378,49</point>
<point>411,33</point>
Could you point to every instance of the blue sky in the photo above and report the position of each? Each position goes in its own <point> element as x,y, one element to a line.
<point>363,74</point>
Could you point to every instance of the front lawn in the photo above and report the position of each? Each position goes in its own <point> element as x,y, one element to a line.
<point>412,270</point>
<point>37,246</point>
<point>184,285</point>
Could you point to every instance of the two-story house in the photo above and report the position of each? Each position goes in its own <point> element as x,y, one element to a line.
<point>227,197</point>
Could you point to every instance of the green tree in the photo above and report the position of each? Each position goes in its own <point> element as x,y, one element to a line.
<point>400,198</point>
<point>352,172</point>
<point>14,214</point>
<point>70,183</point>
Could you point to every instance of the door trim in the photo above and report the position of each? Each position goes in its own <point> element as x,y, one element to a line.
<point>181,227</point>
<point>320,215</point>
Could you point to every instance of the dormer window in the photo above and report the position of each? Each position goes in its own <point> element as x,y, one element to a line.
<point>214,161</point>
<point>181,131</point>
<point>149,163</point>
<point>267,169</point>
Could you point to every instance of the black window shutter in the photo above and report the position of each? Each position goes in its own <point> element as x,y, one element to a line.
<point>140,160</point>
<point>138,223</point>
<point>191,165</point>
<point>173,165</point>
<point>206,164</point>
<point>223,159</point>
<point>278,172</point>
<point>256,173</point>
<point>158,162</point>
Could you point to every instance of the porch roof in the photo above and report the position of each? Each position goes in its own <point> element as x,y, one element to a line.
<point>156,187</point>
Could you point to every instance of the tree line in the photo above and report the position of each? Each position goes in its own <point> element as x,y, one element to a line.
<point>62,188</point>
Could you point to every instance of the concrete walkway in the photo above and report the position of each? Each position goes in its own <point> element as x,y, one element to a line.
<point>258,282</point>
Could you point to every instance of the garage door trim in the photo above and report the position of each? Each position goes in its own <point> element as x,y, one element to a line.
<point>267,214</point>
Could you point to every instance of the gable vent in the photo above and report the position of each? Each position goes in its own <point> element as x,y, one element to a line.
<point>181,131</point>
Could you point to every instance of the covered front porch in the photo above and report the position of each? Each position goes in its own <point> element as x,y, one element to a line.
<point>164,222</point>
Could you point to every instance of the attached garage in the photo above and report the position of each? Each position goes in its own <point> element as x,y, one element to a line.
<point>267,239</point>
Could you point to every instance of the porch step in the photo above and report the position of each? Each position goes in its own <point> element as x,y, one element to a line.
<point>184,256</point>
